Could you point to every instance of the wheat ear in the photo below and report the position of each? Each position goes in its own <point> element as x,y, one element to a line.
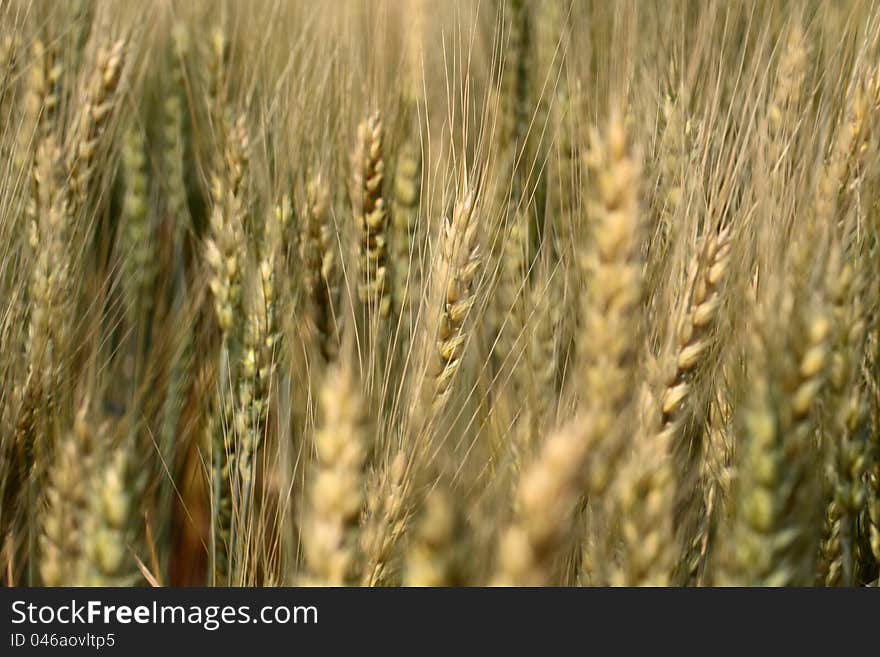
<point>404,223</point>
<point>225,255</point>
<point>581,457</point>
<point>67,497</point>
<point>330,542</point>
<point>434,557</point>
<point>449,302</point>
<point>100,101</point>
<point>695,340</point>
<point>771,539</point>
<point>371,217</point>
<point>138,242</point>
<point>386,519</point>
<point>109,520</point>
<point>259,346</point>
<point>320,269</point>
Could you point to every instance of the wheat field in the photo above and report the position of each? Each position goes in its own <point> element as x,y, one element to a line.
<point>423,293</point>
